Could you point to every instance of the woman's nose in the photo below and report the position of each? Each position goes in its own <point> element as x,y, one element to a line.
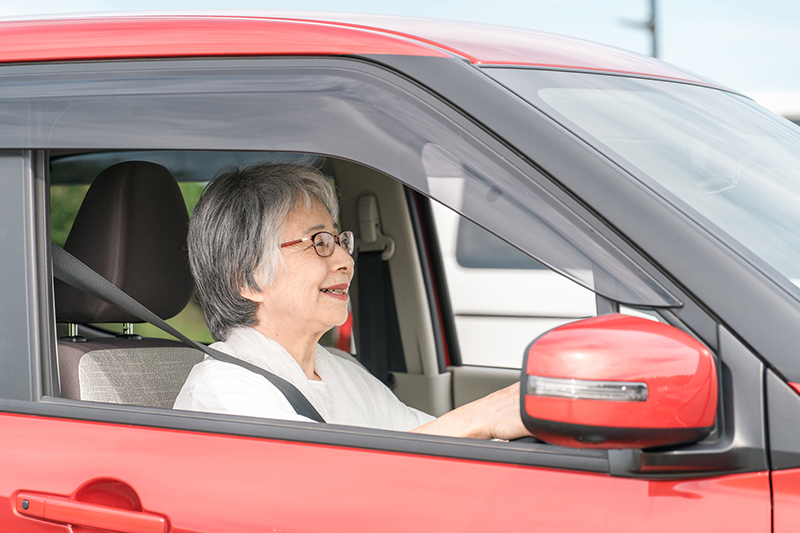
<point>341,260</point>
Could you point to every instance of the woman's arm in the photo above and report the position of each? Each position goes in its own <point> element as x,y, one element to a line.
<point>495,416</point>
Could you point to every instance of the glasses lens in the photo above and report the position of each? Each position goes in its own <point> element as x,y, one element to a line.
<point>323,242</point>
<point>346,241</point>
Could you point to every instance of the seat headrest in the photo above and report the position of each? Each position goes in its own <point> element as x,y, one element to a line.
<point>131,229</point>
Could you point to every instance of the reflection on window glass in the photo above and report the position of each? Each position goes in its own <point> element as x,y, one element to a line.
<point>184,165</point>
<point>733,162</point>
<point>498,197</point>
<point>501,299</point>
<point>477,248</point>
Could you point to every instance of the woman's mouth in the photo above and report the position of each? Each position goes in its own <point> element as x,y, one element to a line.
<point>337,291</point>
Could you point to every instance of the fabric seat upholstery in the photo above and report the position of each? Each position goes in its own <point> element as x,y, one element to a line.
<point>131,229</point>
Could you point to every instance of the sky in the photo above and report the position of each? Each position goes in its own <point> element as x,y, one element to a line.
<point>750,46</point>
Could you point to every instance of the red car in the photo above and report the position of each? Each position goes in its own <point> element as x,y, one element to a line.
<point>674,200</point>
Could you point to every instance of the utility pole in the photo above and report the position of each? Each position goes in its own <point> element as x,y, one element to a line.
<point>649,25</point>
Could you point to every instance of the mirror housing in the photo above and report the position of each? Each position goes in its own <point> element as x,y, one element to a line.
<point>617,381</point>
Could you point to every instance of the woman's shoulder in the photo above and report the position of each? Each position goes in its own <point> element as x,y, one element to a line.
<point>215,386</point>
<point>217,376</point>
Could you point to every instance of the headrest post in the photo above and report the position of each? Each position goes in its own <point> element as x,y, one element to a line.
<point>72,334</point>
<point>127,332</point>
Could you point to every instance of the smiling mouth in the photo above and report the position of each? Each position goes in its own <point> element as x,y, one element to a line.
<point>335,291</point>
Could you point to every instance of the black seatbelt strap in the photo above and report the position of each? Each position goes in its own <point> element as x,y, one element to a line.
<point>71,270</point>
<point>380,348</point>
<point>371,321</point>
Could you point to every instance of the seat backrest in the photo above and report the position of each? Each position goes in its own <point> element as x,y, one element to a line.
<point>131,229</point>
<point>146,372</point>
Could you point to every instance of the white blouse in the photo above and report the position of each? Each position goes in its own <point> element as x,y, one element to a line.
<point>347,394</point>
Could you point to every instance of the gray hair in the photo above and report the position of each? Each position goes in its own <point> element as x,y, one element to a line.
<point>234,235</point>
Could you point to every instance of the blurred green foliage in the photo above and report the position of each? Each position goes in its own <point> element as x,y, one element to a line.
<point>64,204</point>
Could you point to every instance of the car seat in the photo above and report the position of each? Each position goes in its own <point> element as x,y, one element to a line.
<point>131,228</point>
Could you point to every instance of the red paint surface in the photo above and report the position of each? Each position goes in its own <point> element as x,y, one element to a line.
<point>499,45</point>
<point>174,36</point>
<point>62,510</point>
<point>307,34</point>
<point>786,496</point>
<point>345,334</point>
<point>678,370</point>
<point>216,483</point>
<point>796,387</point>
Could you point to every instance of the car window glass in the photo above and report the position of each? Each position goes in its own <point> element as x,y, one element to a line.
<point>477,248</point>
<point>716,154</point>
<point>394,127</point>
<point>501,298</point>
<point>490,192</point>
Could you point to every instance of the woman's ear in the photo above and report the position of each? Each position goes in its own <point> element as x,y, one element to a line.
<point>254,295</point>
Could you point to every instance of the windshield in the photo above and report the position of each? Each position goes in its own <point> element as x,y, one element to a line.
<point>723,156</point>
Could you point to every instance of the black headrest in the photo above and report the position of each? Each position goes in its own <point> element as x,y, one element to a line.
<point>131,229</point>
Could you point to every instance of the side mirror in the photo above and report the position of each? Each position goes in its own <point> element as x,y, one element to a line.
<point>617,381</point>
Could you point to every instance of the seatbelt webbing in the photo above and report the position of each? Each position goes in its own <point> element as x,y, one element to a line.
<point>71,270</point>
<point>372,319</point>
<point>380,348</point>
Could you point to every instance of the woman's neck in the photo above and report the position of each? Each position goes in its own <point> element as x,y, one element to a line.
<point>301,347</point>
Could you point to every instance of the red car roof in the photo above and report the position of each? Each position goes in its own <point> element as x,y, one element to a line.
<point>143,36</point>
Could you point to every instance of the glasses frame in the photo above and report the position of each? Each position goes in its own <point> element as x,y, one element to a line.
<point>346,235</point>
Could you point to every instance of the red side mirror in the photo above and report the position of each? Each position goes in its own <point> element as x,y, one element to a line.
<point>618,381</point>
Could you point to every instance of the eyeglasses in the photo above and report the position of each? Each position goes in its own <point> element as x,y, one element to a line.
<point>324,242</point>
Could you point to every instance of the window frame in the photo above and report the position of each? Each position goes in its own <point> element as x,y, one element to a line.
<point>49,406</point>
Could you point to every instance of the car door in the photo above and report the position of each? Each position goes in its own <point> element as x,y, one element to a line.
<point>73,464</point>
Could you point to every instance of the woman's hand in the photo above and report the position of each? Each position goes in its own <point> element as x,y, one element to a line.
<point>495,416</point>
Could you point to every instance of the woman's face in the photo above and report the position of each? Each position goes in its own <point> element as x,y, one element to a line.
<point>309,296</point>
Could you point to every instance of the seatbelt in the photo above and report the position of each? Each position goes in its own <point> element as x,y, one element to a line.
<point>71,270</point>
<point>380,348</point>
<point>371,312</point>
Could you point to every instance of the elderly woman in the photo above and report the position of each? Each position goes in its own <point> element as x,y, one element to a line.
<point>273,273</point>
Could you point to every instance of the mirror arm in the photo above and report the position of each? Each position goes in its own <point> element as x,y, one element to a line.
<point>606,306</point>
<point>722,457</point>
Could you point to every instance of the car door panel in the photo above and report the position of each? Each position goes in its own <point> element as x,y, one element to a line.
<point>786,495</point>
<point>206,482</point>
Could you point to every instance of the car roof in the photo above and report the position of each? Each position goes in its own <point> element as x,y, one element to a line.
<point>205,34</point>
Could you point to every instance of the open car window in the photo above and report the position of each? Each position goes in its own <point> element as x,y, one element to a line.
<point>374,134</point>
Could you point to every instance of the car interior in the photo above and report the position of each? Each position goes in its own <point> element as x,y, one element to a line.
<point>130,224</point>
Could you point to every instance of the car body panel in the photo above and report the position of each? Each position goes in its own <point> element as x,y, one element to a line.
<point>226,483</point>
<point>786,497</point>
<point>286,33</point>
<point>501,45</point>
<point>140,37</point>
